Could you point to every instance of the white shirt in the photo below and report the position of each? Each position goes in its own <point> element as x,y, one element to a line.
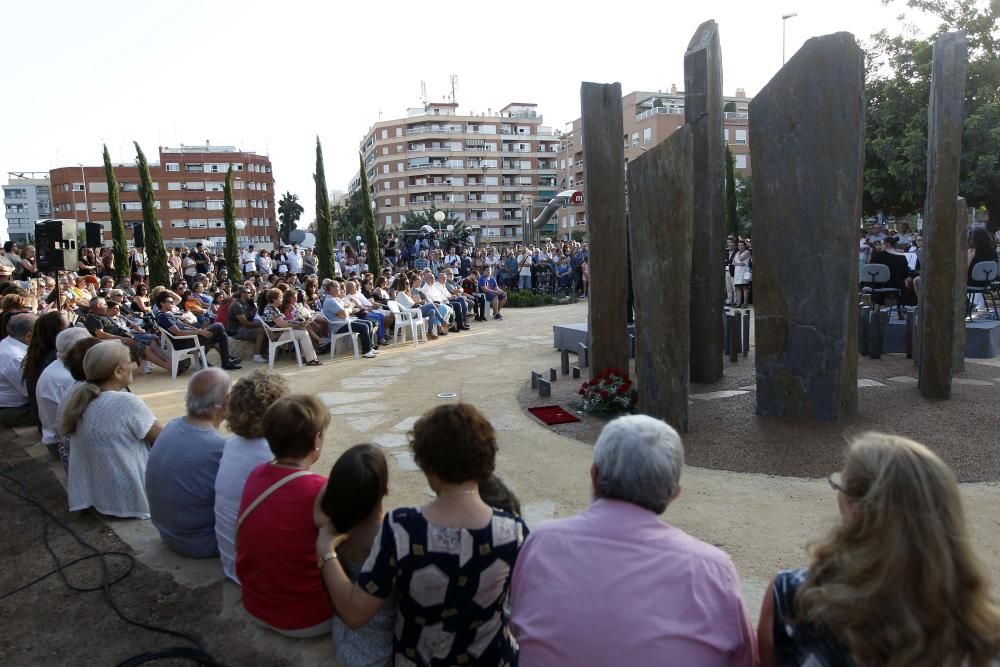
<point>438,292</point>
<point>54,385</point>
<point>108,456</point>
<point>294,262</point>
<point>13,392</point>
<point>249,259</point>
<point>239,457</point>
<point>524,264</point>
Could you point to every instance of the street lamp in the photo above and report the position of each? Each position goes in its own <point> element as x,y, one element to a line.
<point>784,20</point>
<point>240,225</point>
<point>439,217</point>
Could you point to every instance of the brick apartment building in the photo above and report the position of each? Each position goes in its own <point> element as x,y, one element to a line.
<point>187,183</point>
<point>648,118</point>
<point>487,169</point>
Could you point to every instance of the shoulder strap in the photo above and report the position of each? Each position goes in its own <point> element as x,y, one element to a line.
<point>268,491</point>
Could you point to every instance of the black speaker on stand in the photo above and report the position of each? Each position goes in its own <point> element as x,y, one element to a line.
<point>137,237</point>
<point>55,245</point>
<point>94,234</point>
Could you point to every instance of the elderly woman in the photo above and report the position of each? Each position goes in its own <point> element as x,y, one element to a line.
<point>54,384</point>
<point>274,318</point>
<point>275,532</point>
<point>896,582</point>
<point>249,399</point>
<point>407,299</point>
<point>110,432</point>
<point>447,564</point>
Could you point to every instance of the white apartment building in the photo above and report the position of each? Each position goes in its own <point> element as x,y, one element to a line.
<point>490,169</point>
<point>26,198</point>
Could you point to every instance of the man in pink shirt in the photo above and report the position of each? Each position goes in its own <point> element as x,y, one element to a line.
<point>616,586</point>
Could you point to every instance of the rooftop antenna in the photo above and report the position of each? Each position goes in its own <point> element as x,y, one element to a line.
<point>423,92</point>
<point>454,80</point>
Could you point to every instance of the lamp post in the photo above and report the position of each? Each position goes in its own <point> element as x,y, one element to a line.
<point>784,20</point>
<point>439,218</point>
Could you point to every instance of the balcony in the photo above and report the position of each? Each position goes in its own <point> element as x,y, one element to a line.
<point>196,205</point>
<point>672,111</point>
<point>736,115</point>
<point>433,130</point>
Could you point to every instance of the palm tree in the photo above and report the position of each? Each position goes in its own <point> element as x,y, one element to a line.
<point>289,212</point>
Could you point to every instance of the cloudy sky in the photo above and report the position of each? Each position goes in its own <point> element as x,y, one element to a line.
<point>270,76</point>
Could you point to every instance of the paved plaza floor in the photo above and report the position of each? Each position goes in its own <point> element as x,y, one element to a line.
<point>764,521</point>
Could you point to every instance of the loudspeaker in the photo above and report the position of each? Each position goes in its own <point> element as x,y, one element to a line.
<point>55,245</point>
<point>137,234</point>
<point>94,234</point>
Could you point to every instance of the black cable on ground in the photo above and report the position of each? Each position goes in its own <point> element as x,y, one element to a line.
<point>17,488</point>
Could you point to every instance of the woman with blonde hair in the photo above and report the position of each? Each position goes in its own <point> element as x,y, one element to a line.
<point>110,431</point>
<point>896,583</point>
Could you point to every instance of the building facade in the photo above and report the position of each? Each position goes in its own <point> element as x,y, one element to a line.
<point>647,118</point>
<point>188,186</point>
<point>26,198</point>
<point>489,170</point>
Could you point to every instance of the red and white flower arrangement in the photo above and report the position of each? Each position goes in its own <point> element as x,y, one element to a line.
<point>610,393</point>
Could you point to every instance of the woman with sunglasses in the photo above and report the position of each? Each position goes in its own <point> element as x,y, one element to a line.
<point>896,583</point>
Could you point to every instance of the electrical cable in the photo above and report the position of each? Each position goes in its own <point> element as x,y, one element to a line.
<point>18,489</point>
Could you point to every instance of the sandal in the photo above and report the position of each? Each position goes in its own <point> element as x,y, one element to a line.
<point>314,362</point>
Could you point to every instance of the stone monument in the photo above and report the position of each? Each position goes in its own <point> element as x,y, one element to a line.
<point>807,141</point>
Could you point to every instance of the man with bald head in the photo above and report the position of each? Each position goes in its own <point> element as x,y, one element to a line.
<point>180,475</point>
<point>14,407</point>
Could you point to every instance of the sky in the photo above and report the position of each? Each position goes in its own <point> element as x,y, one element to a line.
<point>270,77</point>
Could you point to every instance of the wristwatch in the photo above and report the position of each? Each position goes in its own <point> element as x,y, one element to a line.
<point>325,558</point>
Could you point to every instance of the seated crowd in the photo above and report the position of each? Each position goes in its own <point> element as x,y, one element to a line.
<point>459,580</point>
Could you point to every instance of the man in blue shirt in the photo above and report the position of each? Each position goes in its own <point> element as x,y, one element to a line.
<point>167,320</point>
<point>496,296</point>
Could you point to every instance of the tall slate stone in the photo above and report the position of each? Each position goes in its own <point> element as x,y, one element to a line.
<point>604,196</point>
<point>703,114</point>
<point>961,277</point>
<point>943,229</point>
<point>661,215</point>
<point>807,134</point>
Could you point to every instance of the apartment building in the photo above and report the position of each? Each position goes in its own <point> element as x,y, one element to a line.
<point>187,183</point>
<point>490,169</point>
<point>26,198</point>
<point>648,118</point>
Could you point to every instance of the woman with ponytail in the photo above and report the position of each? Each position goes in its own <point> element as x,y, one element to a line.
<point>110,432</point>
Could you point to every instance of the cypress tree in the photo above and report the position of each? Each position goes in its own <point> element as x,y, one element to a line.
<point>120,246</point>
<point>156,255</point>
<point>373,251</point>
<point>324,219</point>
<point>232,250</point>
<point>732,221</point>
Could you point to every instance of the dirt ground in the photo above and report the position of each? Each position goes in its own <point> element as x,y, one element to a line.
<point>752,487</point>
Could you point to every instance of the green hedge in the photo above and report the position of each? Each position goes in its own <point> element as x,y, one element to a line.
<point>530,300</point>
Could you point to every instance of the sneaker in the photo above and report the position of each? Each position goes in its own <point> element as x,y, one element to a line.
<point>370,354</point>
<point>259,359</point>
<point>230,366</point>
<point>147,368</point>
<point>498,316</point>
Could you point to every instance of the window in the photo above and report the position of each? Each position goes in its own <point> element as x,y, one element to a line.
<point>175,204</point>
<point>385,134</point>
<point>402,201</point>
<point>173,166</point>
<point>198,224</point>
<point>173,186</point>
<point>131,206</point>
<point>388,202</point>
<point>194,167</point>
<point>725,135</point>
<point>78,187</point>
<point>240,203</point>
<point>741,137</point>
<point>215,204</point>
<point>635,140</point>
<point>399,131</point>
<point>400,184</point>
<point>99,187</point>
<point>251,185</point>
<point>388,221</point>
<point>399,167</point>
<point>177,224</point>
<point>385,169</point>
<point>741,161</point>
<point>387,185</point>
<point>385,150</point>
<point>237,166</point>
<point>216,223</point>
<point>647,136</point>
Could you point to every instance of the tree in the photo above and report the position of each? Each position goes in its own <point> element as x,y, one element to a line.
<point>289,212</point>
<point>897,92</point>
<point>373,252</point>
<point>349,219</point>
<point>417,219</point>
<point>732,221</point>
<point>744,203</point>
<point>156,255</point>
<point>119,244</point>
<point>324,219</point>
<point>232,250</point>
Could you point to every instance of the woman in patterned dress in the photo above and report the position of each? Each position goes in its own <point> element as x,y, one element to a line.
<point>896,583</point>
<point>447,564</point>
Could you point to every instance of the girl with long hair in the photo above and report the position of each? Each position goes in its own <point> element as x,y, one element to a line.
<point>896,583</point>
<point>41,352</point>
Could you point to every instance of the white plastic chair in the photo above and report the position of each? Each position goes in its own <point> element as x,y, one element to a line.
<point>348,333</point>
<point>168,344</point>
<point>408,318</point>
<point>278,337</point>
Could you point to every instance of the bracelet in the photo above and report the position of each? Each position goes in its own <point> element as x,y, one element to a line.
<point>326,558</point>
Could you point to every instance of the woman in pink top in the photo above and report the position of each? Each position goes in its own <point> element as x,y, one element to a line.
<point>276,531</point>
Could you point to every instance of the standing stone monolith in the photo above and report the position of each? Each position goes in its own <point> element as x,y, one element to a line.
<point>943,229</point>
<point>661,215</point>
<point>703,114</point>
<point>604,197</point>
<point>961,280</point>
<point>807,134</point>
